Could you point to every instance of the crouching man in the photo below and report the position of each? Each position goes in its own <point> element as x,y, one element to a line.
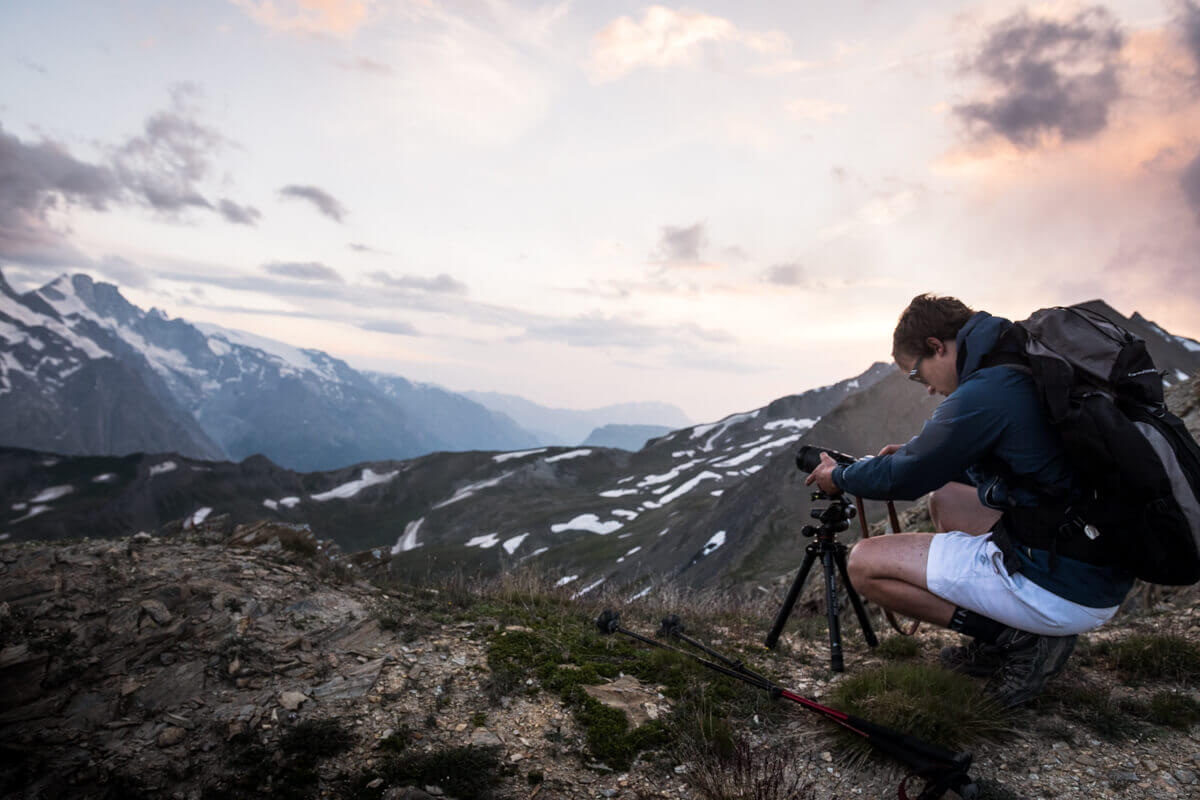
<point>993,462</point>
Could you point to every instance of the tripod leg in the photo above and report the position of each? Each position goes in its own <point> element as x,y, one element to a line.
<point>831,610</point>
<point>839,556</point>
<point>810,555</point>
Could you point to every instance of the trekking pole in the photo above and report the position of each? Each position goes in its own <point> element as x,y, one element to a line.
<point>942,769</point>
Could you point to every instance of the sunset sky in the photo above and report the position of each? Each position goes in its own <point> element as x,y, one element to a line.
<point>712,205</point>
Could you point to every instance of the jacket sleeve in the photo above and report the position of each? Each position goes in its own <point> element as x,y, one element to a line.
<point>960,433</point>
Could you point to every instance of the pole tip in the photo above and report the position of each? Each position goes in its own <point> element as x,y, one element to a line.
<point>608,622</point>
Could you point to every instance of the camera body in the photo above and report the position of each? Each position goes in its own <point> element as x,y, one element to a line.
<point>808,458</point>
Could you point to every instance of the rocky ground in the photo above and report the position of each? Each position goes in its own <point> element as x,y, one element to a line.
<point>187,667</point>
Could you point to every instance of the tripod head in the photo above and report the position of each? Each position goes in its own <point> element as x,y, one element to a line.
<point>834,518</point>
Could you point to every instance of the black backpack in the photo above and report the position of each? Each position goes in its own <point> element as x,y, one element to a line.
<point>1137,460</point>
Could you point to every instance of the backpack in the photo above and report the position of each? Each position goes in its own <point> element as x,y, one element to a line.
<point>1138,463</point>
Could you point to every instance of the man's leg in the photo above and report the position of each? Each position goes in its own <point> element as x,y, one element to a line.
<point>956,507</point>
<point>890,571</point>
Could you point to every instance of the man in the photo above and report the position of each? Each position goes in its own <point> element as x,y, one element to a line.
<point>994,464</point>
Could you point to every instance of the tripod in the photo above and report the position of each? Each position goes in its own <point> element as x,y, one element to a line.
<point>834,519</point>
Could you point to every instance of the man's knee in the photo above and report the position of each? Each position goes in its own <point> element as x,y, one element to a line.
<point>860,562</point>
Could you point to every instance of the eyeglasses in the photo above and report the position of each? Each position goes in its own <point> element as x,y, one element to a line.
<point>915,375</point>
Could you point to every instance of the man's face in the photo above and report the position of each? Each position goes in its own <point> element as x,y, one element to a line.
<point>937,371</point>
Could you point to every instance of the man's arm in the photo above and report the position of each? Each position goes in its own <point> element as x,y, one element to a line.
<point>962,429</point>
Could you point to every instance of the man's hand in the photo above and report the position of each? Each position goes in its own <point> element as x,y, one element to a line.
<point>823,476</point>
<point>889,449</point>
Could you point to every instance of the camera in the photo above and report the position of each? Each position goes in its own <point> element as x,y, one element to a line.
<point>808,458</point>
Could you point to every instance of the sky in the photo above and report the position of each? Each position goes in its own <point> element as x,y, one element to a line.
<point>711,205</point>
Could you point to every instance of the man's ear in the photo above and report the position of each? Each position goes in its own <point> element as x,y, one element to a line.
<point>935,344</point>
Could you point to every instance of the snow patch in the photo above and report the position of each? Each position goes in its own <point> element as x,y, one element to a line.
<point>107,477</point>
<point>197,518</point>
<point>618,492</point>
<point>568,455</point>
<point>640,594</point>
<point>716,541</point>
<point>511,545</point>
<point>1190,344</point>
<point>720,428</point>
<point>33,512</point>
<point>408,541</point>
<point>634,550</point>
<point>587,589</point>
<point>566,580</point>
<point>1181,375</point>
<point>717,492</point>
<point>53,493</point>
<point>271,504</point>
<point>687,487</point>
<point>163,468</point>
<point>467,491</point>
<point>743,457</point>
<point>484,542</point>
<point>348,490</point>
<point>289,502</point>
<point>538,552</point>
<point>801,424</point>
<point>500,459</point>
<point>587,522</point>
<point>623,514</point>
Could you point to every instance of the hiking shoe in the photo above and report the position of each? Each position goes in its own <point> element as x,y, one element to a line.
<point>1029,661</point>
<point>976,659</point>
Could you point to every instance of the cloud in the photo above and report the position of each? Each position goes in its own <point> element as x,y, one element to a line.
<point>679,246</point>
<point>330,17</point>
<point>1190,19</point>
<point>389,326</point>
<point>164,165</point>
<point>367,65</point>
<point>1050,78</point>
<point>784,275</point>
<point>595,330</point>
<point>308,271</point>
<point>359,247</point>
<point>1190,181</point>
<point>665,37</point>
<point>443,283</point>
<point>123,272</point>
<point>820,111</point>
<point>39,180</point>
<point>238,215</point>
<point>324,202</point>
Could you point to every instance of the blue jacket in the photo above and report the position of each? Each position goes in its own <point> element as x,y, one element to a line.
<point>990,432</point>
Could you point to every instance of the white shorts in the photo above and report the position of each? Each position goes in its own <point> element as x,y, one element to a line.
<point>969,572</point>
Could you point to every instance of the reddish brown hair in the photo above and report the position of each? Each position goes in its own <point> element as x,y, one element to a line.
<point>928,315</point>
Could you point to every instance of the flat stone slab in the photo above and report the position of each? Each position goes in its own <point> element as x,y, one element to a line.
<point>639,702</point>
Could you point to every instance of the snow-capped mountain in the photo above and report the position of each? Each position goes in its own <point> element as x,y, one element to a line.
<point>82,370</point>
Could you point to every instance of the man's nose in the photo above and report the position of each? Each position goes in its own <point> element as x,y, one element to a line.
<point>930,390</point>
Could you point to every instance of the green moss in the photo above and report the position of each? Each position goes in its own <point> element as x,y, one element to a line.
<point>1094,707</point>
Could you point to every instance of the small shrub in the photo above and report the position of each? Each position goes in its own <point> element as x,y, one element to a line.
<point>478,719</point>
<point>898,647</point>
<point>933,704</point>
<point>746,772</point>
<point>1152,657</point>
<point>1173,710</point>
<point>472,772</point>
<point>1095,707</point>
<point>534,778</point>
<point>316,738</point>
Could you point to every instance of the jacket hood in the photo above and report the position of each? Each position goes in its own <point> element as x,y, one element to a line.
<point>976,339</point>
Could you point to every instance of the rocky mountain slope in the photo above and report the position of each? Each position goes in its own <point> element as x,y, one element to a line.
<point>248,664</point>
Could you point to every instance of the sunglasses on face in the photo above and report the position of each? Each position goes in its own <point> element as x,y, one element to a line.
<point>914,374</point>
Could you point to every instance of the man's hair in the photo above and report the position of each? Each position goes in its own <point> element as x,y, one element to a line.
<point>928,315</point>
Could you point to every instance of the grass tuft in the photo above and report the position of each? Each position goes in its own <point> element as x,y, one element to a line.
<point>1152,657</point>
<point>472,772</point>
<point>746,772</point>
<point>931,703</point>
<point>898,647</point>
